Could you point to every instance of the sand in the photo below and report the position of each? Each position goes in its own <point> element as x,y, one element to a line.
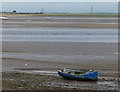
<point>107,67</point>
<point>71,23</point>
<point>61,49</point>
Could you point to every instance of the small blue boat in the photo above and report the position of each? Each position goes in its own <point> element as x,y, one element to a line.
<point>76,74</point>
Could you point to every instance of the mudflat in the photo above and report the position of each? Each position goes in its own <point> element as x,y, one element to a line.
<point>42,68</point>
<point>33,65</point>
<point>58,51</point>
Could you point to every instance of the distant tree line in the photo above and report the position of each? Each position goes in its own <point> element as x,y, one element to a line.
<point>15,12</point>
<point>42,12</point>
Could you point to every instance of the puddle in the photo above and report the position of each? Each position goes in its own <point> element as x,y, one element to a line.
<point>36,72</point>
<point>107,83</point>
<point>52,72</point>
<point>116,53</point>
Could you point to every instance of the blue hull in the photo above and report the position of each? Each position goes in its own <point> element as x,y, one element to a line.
<point>89,76</point>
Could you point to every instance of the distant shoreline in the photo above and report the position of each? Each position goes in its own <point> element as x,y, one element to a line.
<point>63,15</point>
<point>31,21</point>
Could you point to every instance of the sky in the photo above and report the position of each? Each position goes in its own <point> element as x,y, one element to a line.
<point>60,0</point>
<point>61,7</point>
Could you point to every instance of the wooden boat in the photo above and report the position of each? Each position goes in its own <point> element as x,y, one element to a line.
<point>76,74</point>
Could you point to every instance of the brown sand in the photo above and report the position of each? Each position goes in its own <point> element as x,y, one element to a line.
<point>70,48</point>
<point>70,25</point>
<point>64,20</point>
<point>62,23</point>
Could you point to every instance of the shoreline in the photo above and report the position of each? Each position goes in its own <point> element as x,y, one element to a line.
<point>65,15</point>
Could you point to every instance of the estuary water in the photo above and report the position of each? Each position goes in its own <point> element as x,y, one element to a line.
<point>61,34</point>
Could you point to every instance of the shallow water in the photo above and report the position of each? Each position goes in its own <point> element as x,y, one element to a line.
<point>60,34</point>
<point>61,38</point>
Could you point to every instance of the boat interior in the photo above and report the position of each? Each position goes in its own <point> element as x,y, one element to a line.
<point>75,71</point>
